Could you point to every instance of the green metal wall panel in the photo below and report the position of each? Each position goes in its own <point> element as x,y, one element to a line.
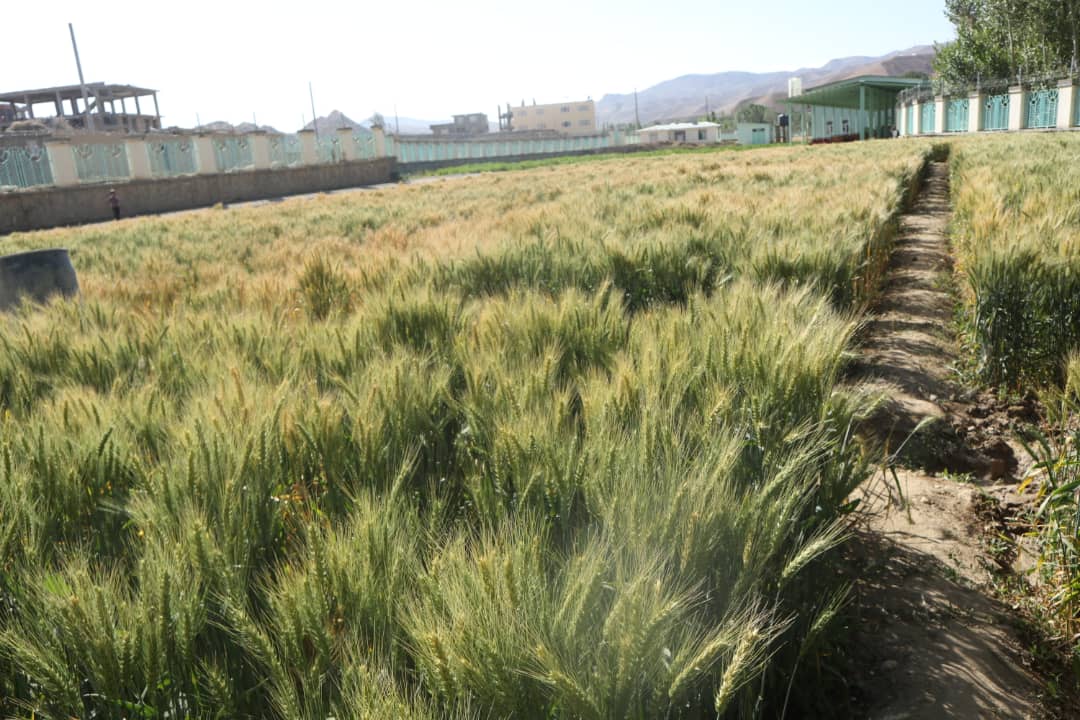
<point>363,146</point>
<point>285,150</point>
<point>171,158</point>
<point>25,166</point>
<point>996,112</point>
<point>101,162</point>
<point>328,149</point>
<point>927,117</point>
<point>232,153</point>
<point>1042,108</point>
<point>956,115</point>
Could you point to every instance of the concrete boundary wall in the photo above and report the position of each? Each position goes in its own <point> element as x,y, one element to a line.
<point>405,168</point>
<point>47,207</point>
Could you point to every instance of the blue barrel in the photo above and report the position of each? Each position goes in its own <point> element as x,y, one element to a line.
<point>36,275</point>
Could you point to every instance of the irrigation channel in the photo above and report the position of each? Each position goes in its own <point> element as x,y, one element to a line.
<point>931,638</point>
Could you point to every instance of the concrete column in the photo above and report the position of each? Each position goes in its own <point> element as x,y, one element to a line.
<point>62,159</point>
<point>976,107</point>
<point>345,142</point>
<point>138,159</point>
<point>309,153</point>
<point>939,115</point>
<point>1066,104</point>
<point>1017,106</point>
<point>204,154</point>
<point>380,140</point>
<point>260,150</point>
<point>916,118</point>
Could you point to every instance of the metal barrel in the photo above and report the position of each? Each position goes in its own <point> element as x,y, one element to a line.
<point>36,275</point>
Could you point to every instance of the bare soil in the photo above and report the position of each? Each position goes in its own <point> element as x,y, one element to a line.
<point>930,639</point>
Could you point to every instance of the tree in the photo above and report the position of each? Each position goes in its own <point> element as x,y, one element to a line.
<point>1006,38</point>
<point>753,113</point>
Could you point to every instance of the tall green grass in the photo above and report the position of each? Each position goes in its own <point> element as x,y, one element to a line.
<point>558,478</point>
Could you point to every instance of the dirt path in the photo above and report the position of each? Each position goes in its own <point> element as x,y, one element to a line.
<point>930,638</point>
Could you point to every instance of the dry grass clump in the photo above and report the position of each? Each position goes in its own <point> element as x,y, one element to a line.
<point>550,444</point>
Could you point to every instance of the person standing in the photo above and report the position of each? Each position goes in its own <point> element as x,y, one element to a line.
<point>114,203</point>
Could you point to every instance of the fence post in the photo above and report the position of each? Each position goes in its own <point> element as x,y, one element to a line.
<point>1017,101</point>
<point>204,153</point>
<point>309,152</point>
<point>380,140</point>
<point>1066,103</point>
<point>138,158</point>
<point>939,115</point>
<point>976,104</point>
<point>62,159</point>
<point>260,149</point>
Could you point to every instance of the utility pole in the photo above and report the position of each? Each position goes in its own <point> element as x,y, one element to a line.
<point>198,122</point>
<point>397,125</point>
<point>637,118</point>
<point>314,117</point>
<point>88,119</point>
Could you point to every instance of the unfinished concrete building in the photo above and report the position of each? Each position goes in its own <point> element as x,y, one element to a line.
<point>95,106</point>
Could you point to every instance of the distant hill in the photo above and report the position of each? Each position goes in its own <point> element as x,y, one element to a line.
<point>335,120</point>
<point>408,126</point>
<point>684,97</point>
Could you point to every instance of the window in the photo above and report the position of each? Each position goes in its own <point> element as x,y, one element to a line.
<point>565,108</point>
<point>541,126</point>
<point>583,108</point>
<point>523,113</point>
<point>567,123</point>
<point>584,123</point>
<point>540,111</point>
<point>700,134</point>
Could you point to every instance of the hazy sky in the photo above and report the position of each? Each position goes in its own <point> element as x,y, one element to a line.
<point>225,60</point>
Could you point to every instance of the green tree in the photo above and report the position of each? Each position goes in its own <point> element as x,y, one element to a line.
<point>753,113</point>
<point>1006,38</point>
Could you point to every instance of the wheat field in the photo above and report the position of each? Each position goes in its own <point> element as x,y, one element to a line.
<point>564,442</point>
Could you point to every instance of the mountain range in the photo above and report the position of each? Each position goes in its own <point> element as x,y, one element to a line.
<point>683,98</point>
<point>692,96</point>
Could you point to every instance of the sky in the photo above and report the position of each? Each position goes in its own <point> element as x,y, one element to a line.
<point>430,59</point>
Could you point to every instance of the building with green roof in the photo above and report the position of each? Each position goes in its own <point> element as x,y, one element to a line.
<point>858,108</point>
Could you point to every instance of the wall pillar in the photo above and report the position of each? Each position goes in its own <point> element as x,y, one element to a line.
<point>939,115</point>
<point>380,140</point>
<point>309,152</point>
<point>138,159</point>
<point>1017,103</point>
<point>204,153</point>
<point>976,107</point>
<point>1066,104</point>
<point>916,118</point>
<point>260,149</point>
<point>62,159</point>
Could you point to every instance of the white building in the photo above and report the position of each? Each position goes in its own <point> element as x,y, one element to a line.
<point>692,133</point>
